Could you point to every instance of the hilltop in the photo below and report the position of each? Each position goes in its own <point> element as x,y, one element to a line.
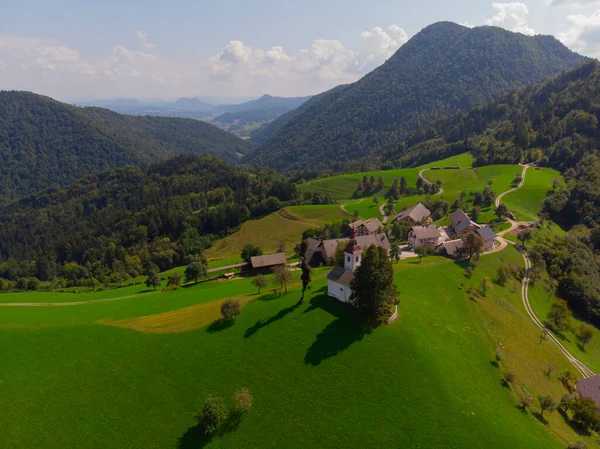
<point>45,143</point>
<point>443,69</point>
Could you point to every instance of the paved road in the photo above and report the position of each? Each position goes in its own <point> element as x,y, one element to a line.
<point>579,366</point>
<point>382,212</point>
<point>429,182</point>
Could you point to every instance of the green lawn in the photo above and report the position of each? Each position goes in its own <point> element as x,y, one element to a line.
<point>341,187</point>
<point>82,377</point>
<point>527,202</point>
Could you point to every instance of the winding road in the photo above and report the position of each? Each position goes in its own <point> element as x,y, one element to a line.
<point>579,366</point>
<point>429,182</point>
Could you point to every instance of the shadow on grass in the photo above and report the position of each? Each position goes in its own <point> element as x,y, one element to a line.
<point>577,428</point>
<point>540,418</point>
<point>337,335</point>
<point>195,437</point>
<point>263,323</point>
<point>219,325</point>
<point>581,347</point>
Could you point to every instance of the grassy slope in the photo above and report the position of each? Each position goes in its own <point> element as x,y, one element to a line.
<point>528,200</point>
<point>424,381</point>
<point>285,226</point>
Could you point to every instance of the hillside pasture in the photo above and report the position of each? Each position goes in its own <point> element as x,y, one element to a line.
<point>134,373</point>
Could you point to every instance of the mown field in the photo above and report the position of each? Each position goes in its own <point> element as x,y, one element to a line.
<point>133,373</point>
<point>529,199</point>
<point>284,227</point>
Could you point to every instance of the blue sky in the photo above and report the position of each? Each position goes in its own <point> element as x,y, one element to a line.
<point>156,49</point>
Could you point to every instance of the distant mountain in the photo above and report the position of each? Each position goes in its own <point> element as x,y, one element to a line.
<point>441,70</point>
<point>261,135</point>
<point>193,104</point>
<point>44,142</point>
<point>267,102</point>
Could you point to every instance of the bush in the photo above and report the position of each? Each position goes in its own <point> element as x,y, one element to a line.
<point>214,415</point>
<point>230,309</point>
<point>242,399</point>
<point>502,276</point>
<point>174,280</point>
<point>577,445</point>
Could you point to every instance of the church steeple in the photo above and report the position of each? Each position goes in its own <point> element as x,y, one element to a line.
<point>352,253</point>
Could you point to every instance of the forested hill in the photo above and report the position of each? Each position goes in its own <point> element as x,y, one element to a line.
<point>44,142</point>
<point>120,222</point>
<point>444,68</point>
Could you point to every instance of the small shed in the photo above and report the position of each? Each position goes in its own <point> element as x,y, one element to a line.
<point>265,264</point>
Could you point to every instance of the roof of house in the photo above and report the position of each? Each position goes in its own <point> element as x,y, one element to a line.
<point>461,221</point>
<point>341,276</point>
<point>486,233</point>
<point>268,260</point>
<point>416,213</point>
<point>312,245</point>
<point>372,224</point>
<point>452,246</point>
<point>590,388</point>
<point>363,240</point>
<point>426,232</point>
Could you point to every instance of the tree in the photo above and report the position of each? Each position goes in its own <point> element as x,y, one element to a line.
<point>305,277</point>
<point>248,251</point>
<point>485,283</point>
<point>526,401</point>
<point>568,379</point>
<point>375,200</point>
<point>194,271</point>
<point>524,236</point>
<point>559,314</point>
<point>475,213</point>
<point>585,412</point>
<point>230,308</point>
<point>174,280</point>
<point>282,275</point>
<point>421,252</point>
<point>501,211</point>
<point>547,404</point>
<point>502,275</point>
<point>242,400</point>
<point>338,257</point>
<point>396,252</point>
<point>509,378</point>
<point>153,279</point>
<point>259,282</point>
<point>584,334</point>
<point>577,445</point>
<point>214,415</point>
<point>373,289</point>
<point>472,244</point>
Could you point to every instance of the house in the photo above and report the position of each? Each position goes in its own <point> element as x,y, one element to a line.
<point>265,264</point>
<point>328,247</point>
<point>420,236</point>
<point>366,227</point>
<point>414,215</point>
<point>339,280</point>
<point>451,247</point>
<point>488,236</point>
<point>590,388</point>
<point>461,223</point>
<point>313,253</point>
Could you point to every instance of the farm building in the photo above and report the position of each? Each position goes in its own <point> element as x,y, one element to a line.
<point>451,247</point>
<point>420,236</point>
<point>339,279</point>
<point>590,388</point>
<point>488,236</point>
<point>414,215</point>
<point>461,223</point>
<point>321,252</point>
<point>366,227</point>
<point>265,264</point>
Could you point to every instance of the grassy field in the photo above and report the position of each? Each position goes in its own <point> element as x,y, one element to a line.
<point>282,227</point>
<point>341,187</point>
<point>133,373</point>
<point>529,199</point>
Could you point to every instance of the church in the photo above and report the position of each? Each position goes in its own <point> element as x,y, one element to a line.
<point>339,279</point>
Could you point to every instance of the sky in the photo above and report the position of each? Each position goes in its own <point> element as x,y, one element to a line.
<point>155,49</point>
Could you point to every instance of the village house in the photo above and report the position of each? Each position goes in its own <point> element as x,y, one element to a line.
<point>339,280</point>
<point>420,236</point>
<point>452,248</point>
<point>488,236</point>
<point>461,223</point>
<point>414,215</point>
<point>366,227</point>
<point>328,247</point>
<point>265,264</point>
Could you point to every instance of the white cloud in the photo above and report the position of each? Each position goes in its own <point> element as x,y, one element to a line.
<point>142,37</point>
<point>467,24</point>
<point>582,33</point>
<point>511,16</point>
<point>571,2</point>
<point>378,45</point>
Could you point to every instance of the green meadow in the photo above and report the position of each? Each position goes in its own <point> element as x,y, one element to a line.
<point>134,372</point>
